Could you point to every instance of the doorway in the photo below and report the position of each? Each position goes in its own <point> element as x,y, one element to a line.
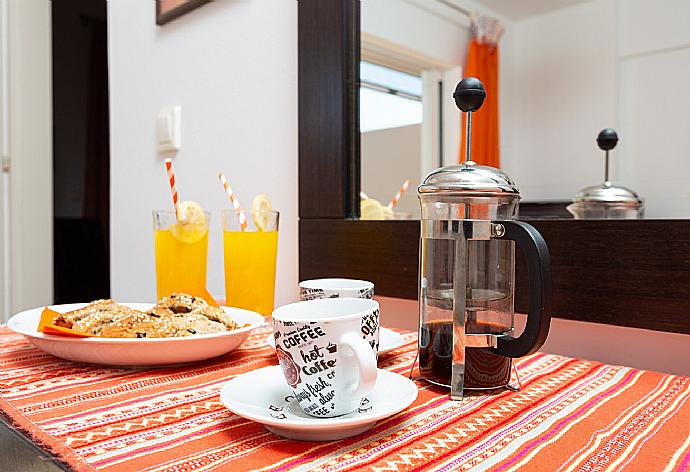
<point>81,158</point>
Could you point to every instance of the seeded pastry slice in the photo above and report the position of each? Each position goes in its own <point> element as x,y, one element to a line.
<point>217,314</point>
<point>192,323</point>
<point>94,323</point>
<point>140,325</point>
<point>92,318</point>
<point>99,306</point>
<point>187,324</point>
<point>182,303</point>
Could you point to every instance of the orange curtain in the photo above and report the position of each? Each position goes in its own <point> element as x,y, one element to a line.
<point>482,63</point>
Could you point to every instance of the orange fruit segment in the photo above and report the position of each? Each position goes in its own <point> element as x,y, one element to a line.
<point>46,325</point>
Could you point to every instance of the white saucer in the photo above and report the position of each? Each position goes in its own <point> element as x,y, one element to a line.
<point>388,340</point>
<point>263,396</point>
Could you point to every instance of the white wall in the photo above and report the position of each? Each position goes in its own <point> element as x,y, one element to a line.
<point>558,91</point>
<point>232,66</point>
<point>606,63</point>
<point>30,152</point>
<point>4,177</point>
<point>426,27</point>
<point>654,97</point>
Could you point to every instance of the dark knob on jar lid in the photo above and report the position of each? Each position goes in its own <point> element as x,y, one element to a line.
<point>469,94</point>
<point>607,139</point>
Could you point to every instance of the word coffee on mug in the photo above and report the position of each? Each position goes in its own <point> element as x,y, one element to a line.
<point>327,350</point>
<point>335,288</point>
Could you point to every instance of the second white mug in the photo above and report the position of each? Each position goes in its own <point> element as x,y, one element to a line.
<point>335,288</point>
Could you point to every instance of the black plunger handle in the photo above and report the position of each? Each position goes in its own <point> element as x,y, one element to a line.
<point>469,94</point>
<point>607,139</point>
<point>536,252</point>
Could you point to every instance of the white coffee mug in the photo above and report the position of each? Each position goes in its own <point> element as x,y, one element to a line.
<point>335,288</point>
<point>327,350</point>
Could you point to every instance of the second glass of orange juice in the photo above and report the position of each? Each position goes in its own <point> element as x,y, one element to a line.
<point>181,253</point>
<point>250,263</point>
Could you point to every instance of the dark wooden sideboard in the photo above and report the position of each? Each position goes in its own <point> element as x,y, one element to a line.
<point>625,273</point>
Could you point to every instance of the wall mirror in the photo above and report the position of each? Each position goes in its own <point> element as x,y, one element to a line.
<point>565,69</point>
<point>613,63</point>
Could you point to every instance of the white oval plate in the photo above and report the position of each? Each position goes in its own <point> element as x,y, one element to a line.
<point>135,351</point>
<point>263,396</point>
<point>388,340</point>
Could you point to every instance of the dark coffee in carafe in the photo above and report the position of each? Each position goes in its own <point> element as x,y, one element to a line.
<point>483,368</point>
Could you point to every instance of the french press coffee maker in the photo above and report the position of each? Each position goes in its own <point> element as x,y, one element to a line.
<point>607,201</point>
<point>467,271</point>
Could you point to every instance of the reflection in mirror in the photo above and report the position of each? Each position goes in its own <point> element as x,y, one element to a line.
<point>607,201</point>
<point>566,71</point>
<point>391,116</point>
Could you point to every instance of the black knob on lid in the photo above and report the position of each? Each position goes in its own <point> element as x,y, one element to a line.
<point>469,94</point>
<point>607,139</point>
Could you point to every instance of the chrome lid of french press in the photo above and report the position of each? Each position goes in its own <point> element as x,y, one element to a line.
<point>469,177</point>
<point>608,192</point>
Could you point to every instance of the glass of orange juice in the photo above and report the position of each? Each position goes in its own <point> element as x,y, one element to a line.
<point>181,252</point>
<point>250,262</point>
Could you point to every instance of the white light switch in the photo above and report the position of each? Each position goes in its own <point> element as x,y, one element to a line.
<point>168,129</point>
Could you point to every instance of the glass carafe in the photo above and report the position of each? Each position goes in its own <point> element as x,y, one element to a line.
<point>466,275</point>
<point>488,272</point>
<point>467,271</point>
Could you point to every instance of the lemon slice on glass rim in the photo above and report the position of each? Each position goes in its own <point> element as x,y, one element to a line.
<point>261,212</point>
<point>371,209</point>
<point>191,225</point>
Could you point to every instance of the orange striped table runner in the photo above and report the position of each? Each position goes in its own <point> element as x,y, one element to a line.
<point>571,415</point>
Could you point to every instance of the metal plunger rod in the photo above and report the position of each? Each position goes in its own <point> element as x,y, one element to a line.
<point>606,168</point>
<point>468,137</point>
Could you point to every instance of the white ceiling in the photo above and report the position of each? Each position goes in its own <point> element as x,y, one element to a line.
<point>520,9</point>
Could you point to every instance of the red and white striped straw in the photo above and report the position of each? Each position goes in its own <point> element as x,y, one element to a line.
<point>234,201</point>
<point>173,187</point>
<point>397,196</point>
